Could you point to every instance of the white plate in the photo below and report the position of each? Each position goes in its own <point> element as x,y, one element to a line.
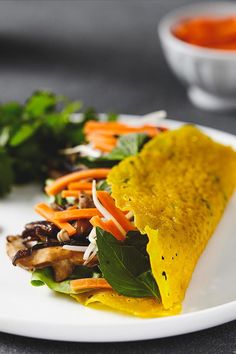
<point>40,313</point>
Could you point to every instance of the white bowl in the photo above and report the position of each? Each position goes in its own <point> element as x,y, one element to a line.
<point>209,74</point>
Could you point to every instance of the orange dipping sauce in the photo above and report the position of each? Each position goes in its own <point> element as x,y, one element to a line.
<point>209,32</point>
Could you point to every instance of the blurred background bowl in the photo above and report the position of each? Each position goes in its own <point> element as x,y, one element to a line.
<point>209,74</point>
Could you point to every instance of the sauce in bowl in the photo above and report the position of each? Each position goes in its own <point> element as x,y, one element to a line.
<point>208,31</point>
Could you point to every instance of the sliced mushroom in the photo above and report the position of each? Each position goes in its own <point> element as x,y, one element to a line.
<point>61,260</point>
<point>85,201</point>
<point>40,230</point>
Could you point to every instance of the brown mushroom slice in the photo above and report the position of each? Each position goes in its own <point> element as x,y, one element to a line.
<point>62,269</point>
<point>14,244</point>
<point>61,260</point>
<point>85,200</point>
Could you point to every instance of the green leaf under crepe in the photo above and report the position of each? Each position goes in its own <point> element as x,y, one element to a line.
<point>45,277</point>
<point>125,264</point>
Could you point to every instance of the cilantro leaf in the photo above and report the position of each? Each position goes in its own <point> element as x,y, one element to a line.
<point>10,113</point>
<point>112,117</point>
<point>23,133</point>
<point>90,114</point>
<point>128,145</point>
<point>4,135</point>
<point>39,103</point>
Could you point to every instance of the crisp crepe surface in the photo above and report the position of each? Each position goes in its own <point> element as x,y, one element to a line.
<point>178,188</point>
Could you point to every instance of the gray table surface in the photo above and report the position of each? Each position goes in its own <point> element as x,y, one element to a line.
<point>107,54</point>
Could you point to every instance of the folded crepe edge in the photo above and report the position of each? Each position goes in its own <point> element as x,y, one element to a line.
<point>140,307</point>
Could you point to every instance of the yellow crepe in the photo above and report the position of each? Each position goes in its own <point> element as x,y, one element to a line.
<point>141,307</point>
<point>177,188</point>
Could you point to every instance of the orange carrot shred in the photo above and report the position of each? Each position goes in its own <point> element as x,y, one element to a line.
<point>81,285</point>
<point>60,183</point>
<point>75,193</point>
<point>72,207</point>
<point>75,214</point>
<point>94,137</point>
<point>116,128</point>
<point>108,226</point>
<point>80,185</point>
<point>103,147</point>
<point>48,213</point>
<point>111,132</point>
<point>109,203</point>
<point>70,193</point>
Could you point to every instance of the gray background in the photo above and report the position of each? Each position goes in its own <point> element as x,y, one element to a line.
<point>107,54</point>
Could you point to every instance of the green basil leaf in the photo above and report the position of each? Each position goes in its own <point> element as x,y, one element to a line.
<point>148,280</point>
<point>135,239</point>
<point>124,266</point>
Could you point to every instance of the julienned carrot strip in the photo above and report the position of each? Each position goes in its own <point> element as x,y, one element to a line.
<point>48,213</point>
<point>103,147</point>
<point>108,226</point>
<point>92,125</point>
<point>94,137</point>
<point>74,193</point>
<point>60,183</point>
<point>111,132</point>
<point>75,214</point>
<point>80,186</point>
<point>95,123</point>
<point>116,128</point>
<point>80,285</point>
<point>70,193</point>
<point>108,203</point>
<point>114,230</point>
<point>72,207</point>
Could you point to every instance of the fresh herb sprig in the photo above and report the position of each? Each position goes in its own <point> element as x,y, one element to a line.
<point>31,136</point>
